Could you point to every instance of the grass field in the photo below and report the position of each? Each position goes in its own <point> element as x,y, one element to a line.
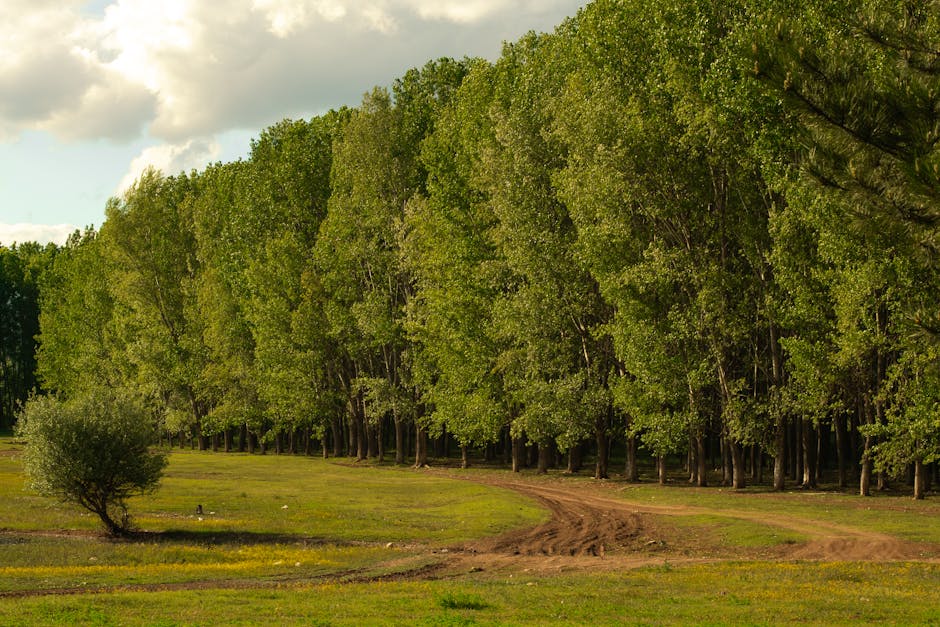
<point>294,540</point>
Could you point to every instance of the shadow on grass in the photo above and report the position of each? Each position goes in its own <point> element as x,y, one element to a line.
<point>231,538</point>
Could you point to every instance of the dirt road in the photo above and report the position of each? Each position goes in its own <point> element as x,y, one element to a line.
<point>589,522</point>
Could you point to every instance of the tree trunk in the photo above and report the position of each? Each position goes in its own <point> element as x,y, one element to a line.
<point>701,460</point>
<point>574,459</point>
<point>809,455</point>
<point>362,436</point>
<point>243,438</point>
<point>115,528</point>
<point>532,456</point>
<point>822,450</point>
<point>421,447</point>
<point>600,467</point>
<point>798,445</point>
<point>353,430</point>
<point>838,426</point>
<point>545,457</point>
<point>920,479</point>
<point>464,456</point>
<point>399,440</point>
<point>631,471</point>
<point>228,439</point>
<point>375,439</point>
<point>780,424</point>
<point>518,451</point>
<point>864,482</point>
<point>727,464</point>
<point>737,465</point>
<point>790,451</point>
<point>661,469</point>
<point>336,428</point>
<point>854,459</point>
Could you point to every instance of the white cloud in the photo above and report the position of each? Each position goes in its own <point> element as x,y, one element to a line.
<point>116,108</point>
<point>171,159</point>
<point>178,69</point>
<point>462,11</point>
<point>43,233</point>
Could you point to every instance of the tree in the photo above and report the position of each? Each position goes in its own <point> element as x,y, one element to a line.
<point>226,230</point>
<point>20,270</point>
<point>92,450</point>
<point>862,82</point>
<point>457,273</point>
<point>671,218</point>
<point>290,166</point>
<point>557,358</point>
<point>79,346</point>
<point>149,244</point>
<point>366,285</point>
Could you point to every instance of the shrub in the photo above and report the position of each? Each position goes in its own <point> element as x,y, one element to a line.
<point>93,450</point>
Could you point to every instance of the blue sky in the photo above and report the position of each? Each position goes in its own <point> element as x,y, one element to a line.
<point>91,93</point>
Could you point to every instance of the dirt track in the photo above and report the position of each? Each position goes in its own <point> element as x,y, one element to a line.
<point>592,529</point>
<point>586,523</point>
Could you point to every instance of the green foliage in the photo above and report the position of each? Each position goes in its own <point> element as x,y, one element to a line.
<point>80,347</point>
<point>92,450</point>
<point>21,270</point>
<point>685,223</point>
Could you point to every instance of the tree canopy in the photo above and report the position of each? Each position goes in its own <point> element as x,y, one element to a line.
<point>703,230</point>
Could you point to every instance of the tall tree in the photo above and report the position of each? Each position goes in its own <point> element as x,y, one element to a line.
<point>80,347</point>
<point>21,270</point>
<point>862,81</point>
<point>375,172</point>
<point>149,242</point>
<point>457,273</point>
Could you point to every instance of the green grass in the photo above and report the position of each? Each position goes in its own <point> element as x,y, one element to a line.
<point>335,554</point>
<point>242,495</point>
<point>265,519</point>
<point>899,516</point>
<point>717,594</point>
<point>723,531</point>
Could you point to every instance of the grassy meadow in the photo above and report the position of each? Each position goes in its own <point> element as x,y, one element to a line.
<point>295,540</point>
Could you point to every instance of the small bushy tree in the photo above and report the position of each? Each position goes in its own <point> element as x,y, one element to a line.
<point>93,450</point>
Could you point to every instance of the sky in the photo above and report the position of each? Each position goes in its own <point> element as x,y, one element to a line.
<point>94,92</point>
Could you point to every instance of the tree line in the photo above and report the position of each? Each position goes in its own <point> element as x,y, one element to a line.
<point>703,230</point>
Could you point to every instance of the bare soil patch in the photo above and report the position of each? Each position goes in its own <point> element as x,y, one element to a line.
<point>591,529</point>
